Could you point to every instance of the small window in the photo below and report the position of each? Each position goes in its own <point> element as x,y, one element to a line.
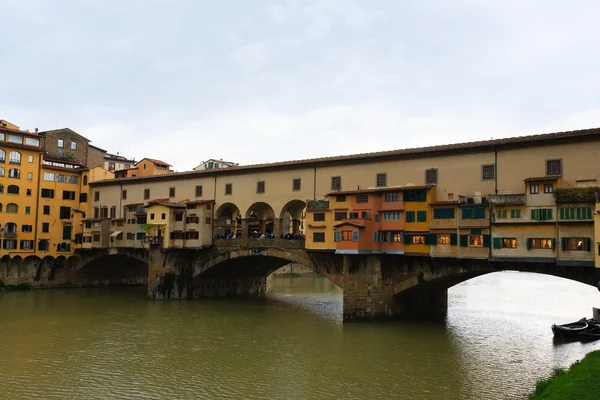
<point>179,217</point>
<point>29,176</point>
<point>545,244</point>
<point>83,197</point>
<point>172,192</point>
<point>381,180</point>
<point>28,192</point>
<point>576,244</point>
<point>163,216</point>
<point>319,237</point>
<point>418,239</point>
<point>336,183</point>
<point>443,239</point>
<point>124,195</point>
<point>85,180</point>
<point>509,243</point>
<point>391,216</point>
<point>45,227</point>
<point>553,167</point>
<point>30,159</point>
<point>362,198</point>
<point>340,215</point>
<point>515,213</point>
<point>27,210</point>
<point>431,176</point>
<point>229,188</point>
<point>392,196</point>
<point>260,187</point>
<point>113,212</point>
<point>96,196</point>
<point>47,193</point>
<point>421,216</point>
<point>46,210</point>
<point>501,214</point>
<point>296,185</point>
<point>488,172</point>
<point>60,144</point>
<point>65,213</point>
<point>151,216</point>
<point>198,190</point>
<point>547,188</point>
<point>317,217</point>
<point>534,189</point>
<point>49,176</point>
<point>73,145</point>
<point>340,198</point>
<point>207,220</point>
<point>146,194</point>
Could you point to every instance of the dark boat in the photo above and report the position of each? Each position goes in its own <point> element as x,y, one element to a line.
<point>590,334</point>
<point>570,331</point>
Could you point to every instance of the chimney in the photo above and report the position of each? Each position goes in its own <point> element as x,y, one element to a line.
<point>36,130</point>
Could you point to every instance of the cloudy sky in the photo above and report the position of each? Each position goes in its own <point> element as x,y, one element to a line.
<point>257,81</point>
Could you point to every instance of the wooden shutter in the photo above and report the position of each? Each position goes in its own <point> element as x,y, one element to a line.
<point>407,239</point>
<point>355,236</point>
<point>486,240</point>
<point>563,244</point>
<point>432,239</point>
<point>453,239</point>
<point>338,236</point>
<point>497,243</point>
<point>553,243</point>
<point>464,240</point>
<point>588,244</point>
<point>561,213</point>
<point>528,243</point>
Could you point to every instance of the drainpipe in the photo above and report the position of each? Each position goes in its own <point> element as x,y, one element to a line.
<point>314,182</point>
<point>496,169</point>
<point>37,200</point>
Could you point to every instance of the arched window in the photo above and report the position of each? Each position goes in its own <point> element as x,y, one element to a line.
<point>12,208</point>
<point>12,189</point>
<point>14,173</point>
<point>1,171</point>
<point>85,180</point>
<point>1,188</point>
<point>0,207</point>
<point>2,156</point>
<point>43,245</point>
<point>14,158</point>
<point>10,228</point>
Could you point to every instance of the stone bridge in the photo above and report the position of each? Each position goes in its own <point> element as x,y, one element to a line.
<point>374,286</point>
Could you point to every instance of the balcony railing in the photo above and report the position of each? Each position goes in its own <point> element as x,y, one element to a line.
<point>507,199</point>
<point>317,205</point>
<point>10,234</point>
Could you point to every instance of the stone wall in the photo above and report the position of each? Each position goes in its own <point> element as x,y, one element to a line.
<point>51,145</point>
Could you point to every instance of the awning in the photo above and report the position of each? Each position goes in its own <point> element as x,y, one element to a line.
<point>115,234</point>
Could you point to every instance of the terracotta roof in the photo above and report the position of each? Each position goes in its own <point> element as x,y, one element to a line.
<point>355,224</point>
<point>133,204</point>
<point>37,149</point>
<point>166,204</point>
<point>380,190</point>
<point>159,199</point>
<point>94,219</point>
<point>118,219</point>
<point>200,202</point>
<point>444,203</point>
<point>64,130</point>
<point>542,178</point>
<point>155,161</point>
<point>8,130</point>
<point>420,152</point>
<point>53,167</point>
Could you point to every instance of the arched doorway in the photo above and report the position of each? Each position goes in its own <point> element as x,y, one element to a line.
<point>259,220</point>
<point>292,219</point>
<point>228,221</point>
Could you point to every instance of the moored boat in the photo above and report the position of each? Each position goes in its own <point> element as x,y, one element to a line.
<point>571,330</point>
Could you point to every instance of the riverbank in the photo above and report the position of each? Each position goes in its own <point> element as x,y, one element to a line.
<point>581,381</point>
<point>14,288</point>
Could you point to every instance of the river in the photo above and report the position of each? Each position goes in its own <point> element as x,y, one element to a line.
<point>115,344</point>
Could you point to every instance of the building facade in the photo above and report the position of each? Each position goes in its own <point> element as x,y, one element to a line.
<point>214,164</point>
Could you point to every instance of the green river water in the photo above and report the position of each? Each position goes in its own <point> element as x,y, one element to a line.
<point>291,344</point>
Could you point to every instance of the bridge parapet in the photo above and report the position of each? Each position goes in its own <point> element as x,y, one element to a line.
<point>259,243</point>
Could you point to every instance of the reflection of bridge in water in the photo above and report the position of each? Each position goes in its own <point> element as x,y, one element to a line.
<point>374,286</point>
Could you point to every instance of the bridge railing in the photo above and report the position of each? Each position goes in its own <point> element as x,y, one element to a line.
<point>260,243</point>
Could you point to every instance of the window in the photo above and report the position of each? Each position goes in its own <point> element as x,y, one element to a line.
<point>353,215</point>
<point>67,231</point>
<point>410,216</point>
<point>421,216</point>
<point>29,176</point>
<point>49,176</point>
<point>61,178</point>
<point>553,167</point>
<point>60,144</point>
<point>1,171</point>
<point>96,196</point>
<point>193,235</point>
<point>340,215</point>
<point>146,194</point>
<point>362,198</point>
<point>541,214</point>
<point>534,189</point>
<point>515,213</point>
<point>14,157</point>
<point>336,183</point>
<point>43,245</point>
<point>14,173</point>
<point>473,212</point>
<point>32,142</point>
<point>163,216</point>
<point>172,192</point>
<point>12,189</point>
<point>364,215</point>
<point>443,239</point>
<point>2,156</point>
<point>74,180</point>
<point>27,210</point>
<point>65,212</point>
<point>229,188</point>
<point>576,213</point>
<point>46,210</point>
<point>104,212</point>
<point>296,184</point>
<point>260,187</point>
<point>73,145</point>
<point>151,216</point>
<point>319,237</point>
<point>475,240</point>
<point>192,220</point>
<point>12,208</point>
<point>488,172</point>
<point>26,244</point>
<point>376,217</point>
<point>340,198</point>
<point>68,195</point>
<point>28,192</point>
<point>179,217</point>
<point>415,195</point>
<point>96,212</point>
<point>381,180</point>
<point>45,227</point>
<point>113,211</point>
<point>431,176</point>
<point>443,213</point>
<point>10,229</point>
<point>15,139</point>
<point>130,236</point>
<point>540,243</point>
<point>509,243</point>
<point>418,239</point>
<point>124,195</point>
<point>198,190</point>
<point>501,214</point>
<point>548,188</point>
<point>95,237</point>
<point>83,197</point>
<point>318,217</point>
<point>576,244</point>
<point>10,244</point>
<point>391,216</point>
<point>27,228</point>
<point>85,180</point>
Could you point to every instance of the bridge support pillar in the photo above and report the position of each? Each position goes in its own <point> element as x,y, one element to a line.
<point>295,226</point>
<point>277,227</point>
<point>166,279</point>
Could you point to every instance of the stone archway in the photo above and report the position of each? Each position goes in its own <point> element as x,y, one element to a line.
<point>112,269</point>
<point>228,221</point>
<point>259,220</point>
<point>291,218</point>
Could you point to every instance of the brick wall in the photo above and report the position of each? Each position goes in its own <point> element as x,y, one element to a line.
<point>67,136</point>
<point>95,157</point>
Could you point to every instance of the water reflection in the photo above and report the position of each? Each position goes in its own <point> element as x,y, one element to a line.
<point>114,344</point>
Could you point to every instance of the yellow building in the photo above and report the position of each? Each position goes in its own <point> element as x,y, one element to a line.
<point>145,167</point>
<point>416,236</point>
<point>20,158</point>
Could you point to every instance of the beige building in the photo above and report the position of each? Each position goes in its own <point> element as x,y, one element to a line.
<point>116,162</point>
<point>214,164</point>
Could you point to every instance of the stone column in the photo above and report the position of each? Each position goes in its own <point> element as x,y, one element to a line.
<point>244,231</point>
<point>263,226</point>
<point>277,227</point>
<point>295,226</point>
<point>164,280</point>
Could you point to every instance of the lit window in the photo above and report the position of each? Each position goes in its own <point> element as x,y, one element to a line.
<point>443,239</point>
<point>475,240</point>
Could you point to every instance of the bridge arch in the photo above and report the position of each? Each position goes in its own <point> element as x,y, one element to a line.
<point>112,269</point>
<point>227,221</point>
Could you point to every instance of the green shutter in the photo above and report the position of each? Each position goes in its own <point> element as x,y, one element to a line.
<point>475,231</point>
<point>534,214</point>
<point>421,216</point>
<point>426,237</point>
<point>376,237</point>
<point>571,213</point>
<point>579,210</point>
<point>453,238</point>
<point>389,236</point>
<point>561,213</point>
<point>338,236</point>
<point>588,244</point>
<point>563,244</point>
<point>464,240</point>
<point>421,195</point>
<point>528,243</point>
<point>486,240</point>
<point>410,216</point>
<point>479,212</point>
<point>549,213</point>
<point>588,213</point>
<point>467,213</point>
<point>518,213</point>
<point>407,239</point>
<point>553,243</point>
<point>432,239</point>
<point>67,232</point>
<point>497,243</point>
<point>355,236</point>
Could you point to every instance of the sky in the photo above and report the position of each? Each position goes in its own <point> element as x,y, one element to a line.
<point>255,81</point>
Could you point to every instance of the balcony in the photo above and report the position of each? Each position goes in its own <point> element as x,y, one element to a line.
<point>10,234</point>
<point>153,240</point>
<point>507,199</point>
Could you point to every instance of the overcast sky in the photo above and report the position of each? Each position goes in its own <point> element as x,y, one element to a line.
<point>255,81</point>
